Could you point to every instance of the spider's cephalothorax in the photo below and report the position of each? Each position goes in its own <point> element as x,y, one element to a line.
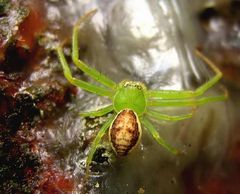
<point>130,95</point>
<point>129,102</point>
<point>133,103</point>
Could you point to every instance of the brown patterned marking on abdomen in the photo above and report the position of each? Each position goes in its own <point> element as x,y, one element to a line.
<point>125,132</point>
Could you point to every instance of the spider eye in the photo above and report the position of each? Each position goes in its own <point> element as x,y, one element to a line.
<point>139,87</point>
<point>131,84</point>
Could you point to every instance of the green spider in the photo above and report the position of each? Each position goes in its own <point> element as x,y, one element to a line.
<point>132,102</point>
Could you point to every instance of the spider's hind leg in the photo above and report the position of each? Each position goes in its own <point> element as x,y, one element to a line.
<point>95,143</point>
<point>157,137</point>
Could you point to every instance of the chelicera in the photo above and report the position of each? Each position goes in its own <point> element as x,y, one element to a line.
<point>132,103</point>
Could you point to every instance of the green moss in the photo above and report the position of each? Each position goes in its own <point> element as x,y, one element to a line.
<point>4,6</point>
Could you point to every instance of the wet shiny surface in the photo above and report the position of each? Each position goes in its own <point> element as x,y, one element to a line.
<point>148,41</point>
<point>156,49</point>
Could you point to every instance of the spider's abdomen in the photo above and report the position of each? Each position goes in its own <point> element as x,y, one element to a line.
<point>125,132</point>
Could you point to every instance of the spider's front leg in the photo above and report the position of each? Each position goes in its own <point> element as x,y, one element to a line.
<point>188,98</point>
<point>189,94</point>
<point>188,101</point>
<point>79,83</point>
<point>93,73</point>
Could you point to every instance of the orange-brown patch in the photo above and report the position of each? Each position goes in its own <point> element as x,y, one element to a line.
<point>125,132</point>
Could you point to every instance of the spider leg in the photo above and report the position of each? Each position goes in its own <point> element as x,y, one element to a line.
<point>157,137</point>
<point>174,94</point>
<point>97,113</point>
<point>157,115</point>
<point>187,102</point>
<point>79,83</point>
<point>93,73</point>
<point>95,143</point>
